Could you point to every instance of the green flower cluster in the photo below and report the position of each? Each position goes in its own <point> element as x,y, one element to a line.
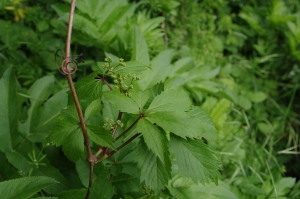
<point>110,125</point>
<point>121,81</point>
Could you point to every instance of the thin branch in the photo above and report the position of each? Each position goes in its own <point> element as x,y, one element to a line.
<point>107,84</point>
<point>128,128</point>
<point>66,65</point>
<point>124,144</point>
<point>117,126</point>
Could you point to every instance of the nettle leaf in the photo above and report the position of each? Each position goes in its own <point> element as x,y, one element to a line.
<point>141,97</point>
<point>92,109</point>
<point>67,132</point>
<point>154,172</point>
<point>38,92</point>
<point>100,136</point>
<point>9,110</point>
<point>155,140</point>
<point>24,188</point>
<point>170,100</point>
<point>102,188</point>
<point>195,159</point>
<point>132,67</point>
<point>121,102</point>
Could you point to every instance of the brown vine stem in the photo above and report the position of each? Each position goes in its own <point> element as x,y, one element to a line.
<point>91,158</point>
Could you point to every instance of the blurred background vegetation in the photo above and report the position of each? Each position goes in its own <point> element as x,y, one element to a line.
<point>240,61</point>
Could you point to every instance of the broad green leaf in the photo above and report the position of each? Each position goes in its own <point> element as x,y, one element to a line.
<point>181,65</point>
<point>179,123</point>
<point>45,198</point>
<point>39,92</point>
<point>24,188</point>
<point>67,132</point>
<point>100,136</point>
<point>154,138</point>
<point>50,171</point>
<point>82,167</point>
<point>72,194</point>
<point>257,96</point>
<point>251,189</point>
<point>160,67</point>
<point>51,110</point>
<point>127,184</point>
<point>102,188</point>
<point>132,67</point>
<point>121,102</point>
<point>183,188</point>
<point>170,100</point>
<point>141,97</point>
<point>89,88</point>
<point>208,129</point>
<point>9,110</point>
<point>18,161</point>
<point>92,109</point>
<point>140,48</point>
<point>155,173</point>
<point>74,145</point>
<point>220,112</point>
<point>195,159</point>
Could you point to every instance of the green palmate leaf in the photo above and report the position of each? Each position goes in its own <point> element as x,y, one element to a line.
<point>24,188</point>
<point>89,88</point>
<point>195,159</point>
<point>140,48</point>
<point>155,140</point>
<point>73,146</point>
<point>9,110</point>
<point>178,123</point>
<point>102,188</point>
<point>121,102</point>
<point>100,136</point>
<point>170,100</point>
<point>38,92</point>
<point>160,67</point>
<point>92,109</point>
<point>154,172</point>
<point>207,129</point>
<point>132,67</point>
<point>141,97</point>
<point>67,132</point>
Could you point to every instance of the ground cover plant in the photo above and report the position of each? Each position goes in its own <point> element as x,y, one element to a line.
<point>173,99</point>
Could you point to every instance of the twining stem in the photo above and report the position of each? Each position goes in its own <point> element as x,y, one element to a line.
<point>91,158</point>
<point>124,144</point>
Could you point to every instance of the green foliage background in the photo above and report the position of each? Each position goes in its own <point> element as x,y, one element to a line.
<point>238,60</point>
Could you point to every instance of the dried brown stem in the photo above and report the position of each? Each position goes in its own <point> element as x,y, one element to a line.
<point>91,158</point>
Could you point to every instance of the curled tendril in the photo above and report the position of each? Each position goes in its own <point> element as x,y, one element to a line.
<point>67,62</point>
